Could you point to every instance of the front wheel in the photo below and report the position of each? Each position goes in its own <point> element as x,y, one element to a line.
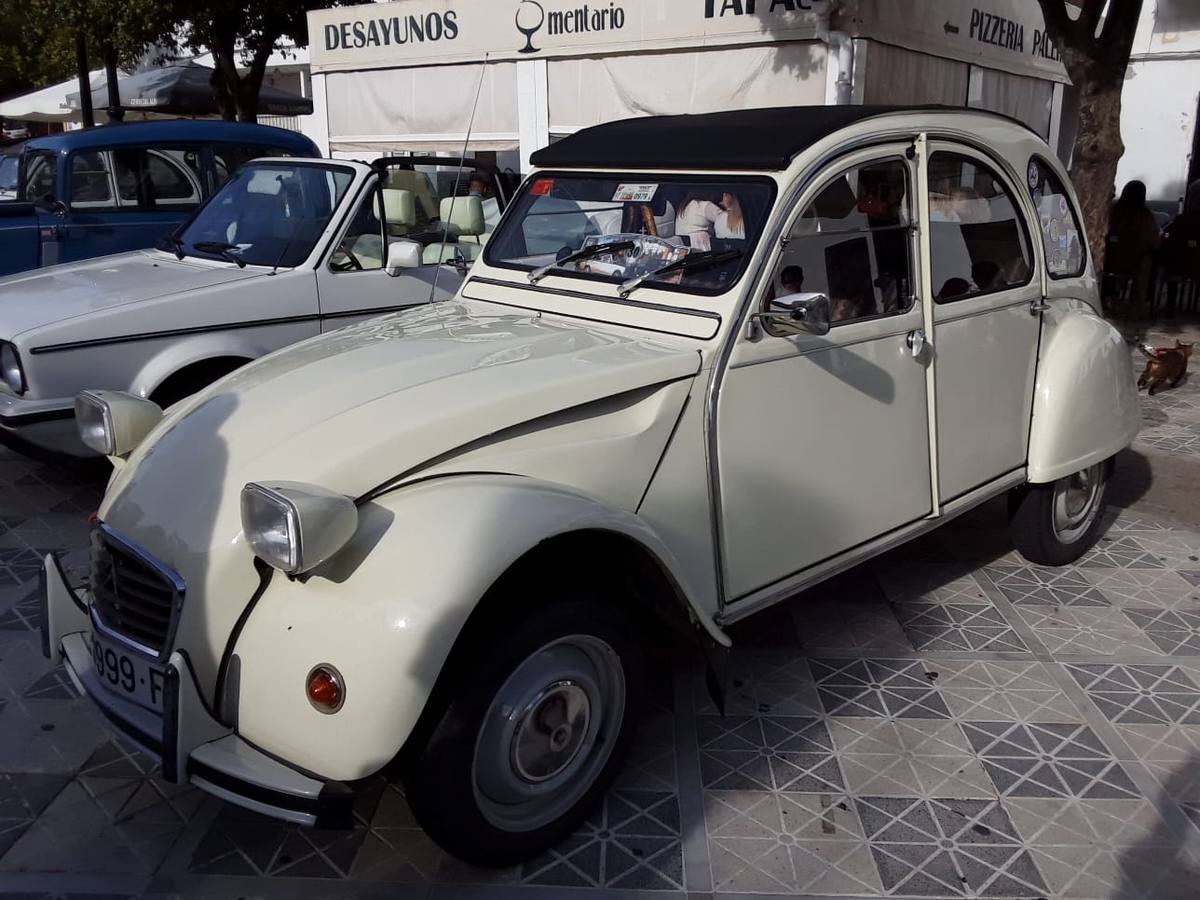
<point>532,738</point>
<point>1054,524</point>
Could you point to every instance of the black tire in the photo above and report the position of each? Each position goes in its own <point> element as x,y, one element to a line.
<point>440,778</point>
<point>1039,533</point>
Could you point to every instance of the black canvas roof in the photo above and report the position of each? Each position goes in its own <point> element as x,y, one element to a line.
<point>737,139</point>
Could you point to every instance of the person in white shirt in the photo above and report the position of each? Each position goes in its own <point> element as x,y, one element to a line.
<point>696,220</point>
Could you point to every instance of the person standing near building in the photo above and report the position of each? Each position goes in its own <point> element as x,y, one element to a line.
<point>1133,236</point>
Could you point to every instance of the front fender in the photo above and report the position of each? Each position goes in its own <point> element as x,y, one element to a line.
<point>388,610</point>
<point>178,355</point>
<point>1085,406</point>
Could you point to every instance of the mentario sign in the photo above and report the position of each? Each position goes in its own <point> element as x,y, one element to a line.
<point>431,32</point>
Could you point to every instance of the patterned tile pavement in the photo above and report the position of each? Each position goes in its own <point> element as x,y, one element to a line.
<point>947,721</point>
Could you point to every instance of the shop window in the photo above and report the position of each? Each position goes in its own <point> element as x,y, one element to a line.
<point>853,244</point>
<point>977,242</point>
<point>91,183</point>
<point>1061,235</point>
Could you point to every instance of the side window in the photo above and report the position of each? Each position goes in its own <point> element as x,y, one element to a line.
<point>155,179</point>
<point>39,176</point>
<point>91,185</point>
<point>1061,235</point>
<point>977,242</point>
<point>362,246</point>
<point>853,243</point>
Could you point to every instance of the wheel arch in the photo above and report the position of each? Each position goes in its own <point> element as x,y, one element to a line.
<point>191,352</point>
<point>426,574</point>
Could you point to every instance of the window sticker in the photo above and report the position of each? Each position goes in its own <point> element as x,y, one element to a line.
<point>542,187</point>
<point>635,193</point>
<point>1034,174</point>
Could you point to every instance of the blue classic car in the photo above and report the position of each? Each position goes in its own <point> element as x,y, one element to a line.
<point>106,190</point>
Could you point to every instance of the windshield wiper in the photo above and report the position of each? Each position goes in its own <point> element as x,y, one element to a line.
<point>222,250</point>
<point>173,243</point>
<point>703,260</point>
<point>582,253</point>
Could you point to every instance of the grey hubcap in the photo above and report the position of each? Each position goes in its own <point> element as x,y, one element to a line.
<point>1077,502</point>
<point>548,733</point>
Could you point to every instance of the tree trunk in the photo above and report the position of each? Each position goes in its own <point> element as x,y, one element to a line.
<point>251,84</point>
<point>225,78</point>
<point>1098,149</point>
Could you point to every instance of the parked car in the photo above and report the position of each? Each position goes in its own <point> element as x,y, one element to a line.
<point>88,193</point>
<point>286,249</point>
<point>14,133</point>
<point>444,539</point>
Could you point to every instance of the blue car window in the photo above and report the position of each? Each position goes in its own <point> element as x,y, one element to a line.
<point>91,184</point>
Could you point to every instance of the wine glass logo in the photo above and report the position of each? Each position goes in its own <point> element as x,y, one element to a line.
<point>531,15</point>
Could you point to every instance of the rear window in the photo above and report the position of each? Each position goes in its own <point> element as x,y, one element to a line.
<point>1061,235</point>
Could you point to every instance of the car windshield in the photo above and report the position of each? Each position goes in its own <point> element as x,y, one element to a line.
<point>268,214</point>
<point>706,226</point>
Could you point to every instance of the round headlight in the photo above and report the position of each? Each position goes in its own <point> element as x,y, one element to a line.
<point>10,368</point>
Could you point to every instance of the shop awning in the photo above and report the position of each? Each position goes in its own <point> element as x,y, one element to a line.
<point>423,109</point>
<point>186,90</point>
<point>49,104</point>
<point>589,90</point>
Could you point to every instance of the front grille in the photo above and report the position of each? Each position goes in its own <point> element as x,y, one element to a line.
<point>132,595</point>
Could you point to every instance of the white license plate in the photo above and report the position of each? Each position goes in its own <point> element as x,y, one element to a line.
<point>127,674</point>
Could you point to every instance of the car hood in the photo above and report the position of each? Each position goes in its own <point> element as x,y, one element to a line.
<point>41,297</point>
<point>351,411</point>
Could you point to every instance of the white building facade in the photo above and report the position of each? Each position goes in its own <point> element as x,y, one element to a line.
<point>417,75</point>
<point>1161,101</point>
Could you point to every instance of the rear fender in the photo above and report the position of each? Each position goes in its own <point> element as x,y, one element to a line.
<point>1085,406</point>
<point>387,611</point>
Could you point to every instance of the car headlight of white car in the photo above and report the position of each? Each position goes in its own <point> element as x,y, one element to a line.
<point>295,527</point>
<point>10,368</point>
<point>114,422</point>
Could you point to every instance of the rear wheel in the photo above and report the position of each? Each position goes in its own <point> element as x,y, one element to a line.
<point>1054,524</point>
<point>540,719</point>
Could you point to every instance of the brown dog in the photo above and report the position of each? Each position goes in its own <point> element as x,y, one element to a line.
<point>1164,364</point>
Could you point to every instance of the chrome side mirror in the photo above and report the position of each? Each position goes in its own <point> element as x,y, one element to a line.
<point>793,314</point>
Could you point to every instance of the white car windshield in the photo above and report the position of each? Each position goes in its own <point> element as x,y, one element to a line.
<point>700,231</point>
<point>268,214</point>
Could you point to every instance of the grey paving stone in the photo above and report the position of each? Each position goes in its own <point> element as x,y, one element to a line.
<point>878,687</point>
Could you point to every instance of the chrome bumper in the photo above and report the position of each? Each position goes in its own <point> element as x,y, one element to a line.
<point>44,424</point>
<point>194,746</point>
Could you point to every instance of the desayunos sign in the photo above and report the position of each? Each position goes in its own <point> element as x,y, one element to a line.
<point>412,32</point>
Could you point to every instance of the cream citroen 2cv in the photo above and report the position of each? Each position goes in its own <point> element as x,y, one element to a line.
<point>703,363</point>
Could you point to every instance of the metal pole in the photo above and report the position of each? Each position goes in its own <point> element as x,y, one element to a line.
<point>114,110</point>
<point>85,86</point>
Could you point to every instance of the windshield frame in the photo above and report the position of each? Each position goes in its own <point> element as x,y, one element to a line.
<point>164,242</point>
<point>718,178</point>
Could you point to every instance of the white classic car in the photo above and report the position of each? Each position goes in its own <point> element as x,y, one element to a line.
<point>285,250</point>
<point>703,363</point>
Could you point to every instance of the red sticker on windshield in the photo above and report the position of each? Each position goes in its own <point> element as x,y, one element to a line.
<point>542,187</point>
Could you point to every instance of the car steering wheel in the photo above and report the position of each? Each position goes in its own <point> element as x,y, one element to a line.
<point>355,264</point>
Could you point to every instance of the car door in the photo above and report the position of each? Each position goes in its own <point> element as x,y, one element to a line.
<point>157,188</point>
<point>89,226</point>
<point>823,441</point>
<point>438,209</point>
<point>986,293</point>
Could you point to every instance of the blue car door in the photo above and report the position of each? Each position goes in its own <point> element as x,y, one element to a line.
<point>125,199</point>
<point>18,236</point>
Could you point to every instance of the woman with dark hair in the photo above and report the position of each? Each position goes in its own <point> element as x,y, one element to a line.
<point>1133,236</point>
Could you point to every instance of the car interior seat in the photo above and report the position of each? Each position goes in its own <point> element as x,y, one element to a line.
<point>464,225</point>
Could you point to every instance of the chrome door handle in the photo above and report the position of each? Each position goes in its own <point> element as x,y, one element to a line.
<point>1038,306</point>
<point>916,342</point>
